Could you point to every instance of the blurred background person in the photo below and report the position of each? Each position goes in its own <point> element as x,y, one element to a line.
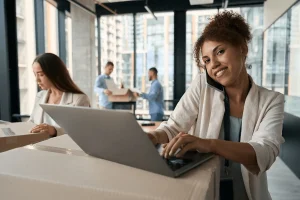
<point>100,86</point>
<point>155,96</point>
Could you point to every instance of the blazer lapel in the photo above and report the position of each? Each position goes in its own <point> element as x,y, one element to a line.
<point>216,117</point>
<point>67,98</point>
<point>248,125</point>
<point>39,111</point>
<point>251,113</point>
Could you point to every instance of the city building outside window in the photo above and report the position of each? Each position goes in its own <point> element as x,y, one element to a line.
<point>116,37</point>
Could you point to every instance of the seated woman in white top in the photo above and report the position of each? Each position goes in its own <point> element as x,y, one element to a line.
<point>57,87</point>
<point>252,121</point>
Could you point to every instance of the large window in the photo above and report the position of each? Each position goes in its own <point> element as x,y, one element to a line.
<point>196,22</point>
<point>275,71</point>
<point>281,58</point>
<point>155,48</point>
<point>117,46</point>
<point>294,52</point>
<point>51,28</point>
<point>26,54</point>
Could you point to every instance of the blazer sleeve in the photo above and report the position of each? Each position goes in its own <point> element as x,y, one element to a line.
<point>267,139</point>
<point>59,131</point>
<point>83,100</point>
<point>31,116</point>
<point>36,105</point>
<point>185,113</point>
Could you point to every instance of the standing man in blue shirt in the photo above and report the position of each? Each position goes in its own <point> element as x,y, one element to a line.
<point>155,96</point>
<point>101,88</point>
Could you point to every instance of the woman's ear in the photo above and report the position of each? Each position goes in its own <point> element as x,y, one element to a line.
<point>244,50</point>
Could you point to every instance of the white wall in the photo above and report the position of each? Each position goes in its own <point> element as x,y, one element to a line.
<point>84,68</point>
<point>274,9</point>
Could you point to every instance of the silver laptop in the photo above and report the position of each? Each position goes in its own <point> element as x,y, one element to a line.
<point>116,136</point>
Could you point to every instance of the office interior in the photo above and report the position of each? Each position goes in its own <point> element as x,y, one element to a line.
<point>137,35</point>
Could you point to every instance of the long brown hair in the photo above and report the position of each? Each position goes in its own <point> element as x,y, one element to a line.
<point>56,71</point>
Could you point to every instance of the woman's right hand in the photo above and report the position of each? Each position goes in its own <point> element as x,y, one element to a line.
<point>44,128</point>
<point>158,137</point>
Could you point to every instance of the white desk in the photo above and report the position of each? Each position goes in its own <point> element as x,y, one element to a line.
<point>34,174</point>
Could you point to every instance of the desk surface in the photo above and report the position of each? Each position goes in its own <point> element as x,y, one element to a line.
<point>36,174</point>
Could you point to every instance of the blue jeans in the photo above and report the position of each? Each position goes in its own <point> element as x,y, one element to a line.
<point>156,117</point>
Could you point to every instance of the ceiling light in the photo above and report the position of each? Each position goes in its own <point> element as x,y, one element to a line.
<point>201,2</point>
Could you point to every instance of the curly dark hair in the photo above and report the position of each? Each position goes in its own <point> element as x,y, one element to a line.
<point>226,26</point>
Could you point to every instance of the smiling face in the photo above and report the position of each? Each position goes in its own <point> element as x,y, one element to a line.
<point>224,62</point>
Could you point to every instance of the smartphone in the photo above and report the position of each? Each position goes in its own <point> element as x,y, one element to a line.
<point>212,83</point>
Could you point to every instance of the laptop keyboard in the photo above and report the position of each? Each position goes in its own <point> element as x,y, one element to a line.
<point>177,163</point>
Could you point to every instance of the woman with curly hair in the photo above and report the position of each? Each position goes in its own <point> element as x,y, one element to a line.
<point>226,113</point>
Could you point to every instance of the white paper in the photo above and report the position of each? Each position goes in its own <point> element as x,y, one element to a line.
<point>114,88</point>
<point>111,84</point>
<point>136,90</point>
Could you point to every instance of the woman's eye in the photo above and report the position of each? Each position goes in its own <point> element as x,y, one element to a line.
<point>206,61</point>
<point>220,52</point>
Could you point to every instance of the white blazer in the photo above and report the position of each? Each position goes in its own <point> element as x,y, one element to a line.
<point>71,99</point>
<point>201,109</point>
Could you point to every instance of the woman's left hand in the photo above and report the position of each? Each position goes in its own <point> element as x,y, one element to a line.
<point>44,128</point>
<point>186,143</point>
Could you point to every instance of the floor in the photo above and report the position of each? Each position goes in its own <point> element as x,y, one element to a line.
<point>283,183</point>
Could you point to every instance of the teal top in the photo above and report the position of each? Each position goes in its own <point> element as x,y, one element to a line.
<point>239,190</point>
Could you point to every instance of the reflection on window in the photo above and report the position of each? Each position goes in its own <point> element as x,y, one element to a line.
<point>116,38</point>
<point>275,60</point>
<point>51,28</point>
<point>294,50</point>
<point>155,48</point>
<point>26,54</point>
